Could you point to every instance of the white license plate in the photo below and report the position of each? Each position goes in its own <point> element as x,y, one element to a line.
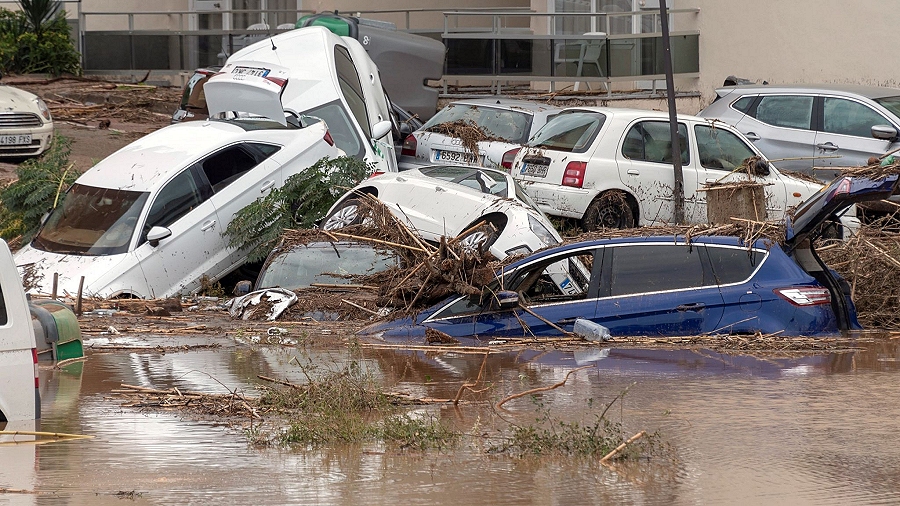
<point>454,156</point>
<point>531,169</point>
<point>15,140</point>
<point>250,71</point>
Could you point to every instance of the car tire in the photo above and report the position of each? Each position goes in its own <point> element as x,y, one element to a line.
<point>480,239</point>
<point>608,210</point>
<point>344,216</point>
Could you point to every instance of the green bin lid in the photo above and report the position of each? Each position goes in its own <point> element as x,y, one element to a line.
<point>335,23</point>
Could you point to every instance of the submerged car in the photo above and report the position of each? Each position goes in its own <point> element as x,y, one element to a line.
<point>511,121</point>
<point>331,263</point>
<point>612,167</point>
<point>664,286</point>
<point>148,220</point>
<point>26,127</point>
<point>450,201</point>
<point>810,126</point>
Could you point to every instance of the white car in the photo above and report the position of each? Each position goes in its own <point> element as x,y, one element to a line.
<point>611,167</point>
<point>26,127</point>
<point>513,120</point>
<point>148,220</point>
<point>311,72</point>
<point>447,200</point>
<point>19,395</point>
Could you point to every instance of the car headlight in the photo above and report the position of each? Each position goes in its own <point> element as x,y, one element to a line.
<point>518,250</point>
<point>541,231</point>
<point>45,112</point>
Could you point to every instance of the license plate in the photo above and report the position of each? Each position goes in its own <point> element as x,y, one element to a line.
<point>15,140</point>
<point>454,156</point>
<point>250,71</point>
<point>531,169</point>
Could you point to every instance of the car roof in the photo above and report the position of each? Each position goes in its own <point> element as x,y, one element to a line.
<point>629,113</point>
<point>141,165</point>
<point>508,103</point>
<point>850,89</point>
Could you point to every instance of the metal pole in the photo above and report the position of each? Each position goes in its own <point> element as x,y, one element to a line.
<point>673,115</point>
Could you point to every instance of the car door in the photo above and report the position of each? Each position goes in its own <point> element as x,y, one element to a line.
<point>846,131</point>
<point>644,160</point>
<point>195,245</point>
<point>733,267</point>
<point>781,127</point>
<point>659,288</point>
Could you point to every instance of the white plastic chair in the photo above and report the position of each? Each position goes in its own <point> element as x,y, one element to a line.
<point>590,54</point>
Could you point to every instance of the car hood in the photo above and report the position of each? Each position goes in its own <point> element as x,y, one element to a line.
<point>840,194</point>
<point>250,87</point>
<point>98,271</point>
<point>14,99</point>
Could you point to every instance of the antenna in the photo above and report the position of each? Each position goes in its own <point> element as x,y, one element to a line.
<point>273,44</point>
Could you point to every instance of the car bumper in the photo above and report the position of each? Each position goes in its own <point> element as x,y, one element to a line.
<point>558,200</point>
<point>40,141</point>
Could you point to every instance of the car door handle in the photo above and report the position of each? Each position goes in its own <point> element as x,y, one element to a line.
<point>693,306</point>
<point>752,136</point>
<point>711,180</point>
<point>828,146</point>
<point>634,172</point>
<point>267,186</point>
<point>207,225</point>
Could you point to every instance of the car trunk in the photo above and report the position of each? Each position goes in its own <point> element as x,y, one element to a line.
<point>250,87</point>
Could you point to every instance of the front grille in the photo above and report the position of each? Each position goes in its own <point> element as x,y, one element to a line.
<point>19,119</point>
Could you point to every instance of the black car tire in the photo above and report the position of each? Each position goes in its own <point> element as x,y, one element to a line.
<point>344,216</point>
<point>608,210</point>
<point>480,239</point>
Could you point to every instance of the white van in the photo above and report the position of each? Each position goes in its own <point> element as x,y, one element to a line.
<point>19,395</point>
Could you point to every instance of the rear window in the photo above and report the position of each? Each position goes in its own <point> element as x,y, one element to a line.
<point>656,268</point>
<point>569,131</point>
<point>485,181</point>
<point>510,125</point>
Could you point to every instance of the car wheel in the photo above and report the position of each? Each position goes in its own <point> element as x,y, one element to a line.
<point>479,239</point>
<point>609,210</point>
<point>344,216</point>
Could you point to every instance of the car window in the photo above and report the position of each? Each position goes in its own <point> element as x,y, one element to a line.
<point>733,265</point>
<point>651,141</point>
<point>480,180</point>
<point>227,165</point>
<point>4,318</point>
<point>569,131</point>
<point>789,111</point>
<point>891,104</point>
<point>303,265</point>
<point>720,149</point>
<point>510,125</point>
<point>743,104</point>
<point>177,198</point>
<point>340,126</point>
<point>92,221</point>
<point>649,268</point>
<point>348,77</point>
<point>847,117</point>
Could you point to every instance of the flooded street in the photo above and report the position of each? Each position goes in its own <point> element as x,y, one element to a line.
<point>742,429</point>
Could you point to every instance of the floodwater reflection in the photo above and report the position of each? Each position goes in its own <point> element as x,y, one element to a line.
<point>780,428</point>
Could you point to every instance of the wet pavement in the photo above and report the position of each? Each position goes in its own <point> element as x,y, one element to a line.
<point>743,429</point>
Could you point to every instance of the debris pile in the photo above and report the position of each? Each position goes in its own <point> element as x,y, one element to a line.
<point>469,132</point>
<point>748,230</point>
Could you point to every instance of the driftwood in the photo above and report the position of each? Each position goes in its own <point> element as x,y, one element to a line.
<point>622,446</point>
<point>542,389</point>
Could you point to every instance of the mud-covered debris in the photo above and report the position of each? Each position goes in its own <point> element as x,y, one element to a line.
<point>434,336</point>
<point>467,131</point>
<point>876,168</point>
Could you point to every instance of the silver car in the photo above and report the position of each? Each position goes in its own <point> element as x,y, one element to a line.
<point>819,126</point>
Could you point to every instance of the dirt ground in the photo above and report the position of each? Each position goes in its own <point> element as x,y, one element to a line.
<point>99,117</point>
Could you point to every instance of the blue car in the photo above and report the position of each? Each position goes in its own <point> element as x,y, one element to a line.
<point>663,286</point>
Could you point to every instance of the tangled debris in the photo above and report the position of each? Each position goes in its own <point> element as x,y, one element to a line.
<point>748,230</point>
<point>876,168</point>
<point>469,132</point>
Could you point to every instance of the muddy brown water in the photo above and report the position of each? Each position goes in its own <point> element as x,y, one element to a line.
<point>742,428</point>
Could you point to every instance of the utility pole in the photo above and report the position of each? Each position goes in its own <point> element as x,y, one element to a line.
<point>673,115</point>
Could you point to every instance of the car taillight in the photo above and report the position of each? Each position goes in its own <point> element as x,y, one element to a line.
<point>376,173</point>
<point>37,376</point>
<point>805,295</point>
<point>508,157</point>
<point>843,188</point>
<point>277,80</point>
<point>328,138</point>
<point>574,174</point>
<point>409,145</point>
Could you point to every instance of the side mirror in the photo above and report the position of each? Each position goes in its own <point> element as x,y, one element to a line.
<point>884,132</point>
<point>157,234</point>
<point>505,299</point>
<point>761,168</point>
<point>381,129</point>
<point>405,130</point>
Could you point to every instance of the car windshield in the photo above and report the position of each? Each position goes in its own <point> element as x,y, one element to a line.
<point>512,126</point>
<point>92,221</point>
<point>569,131</point>
<point>328,263</point>
<point>890,103</point>
<point>485,181</point>
<point>340,127</point>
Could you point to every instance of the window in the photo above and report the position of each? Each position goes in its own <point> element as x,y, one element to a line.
<point>733,265</point>
<point>890,103</point>
<point>4,318</point>
<point>720,149</point>
<point>569,131</point>
<point>226,166</point>
<point>348,77</point>
<point>512,126</point>
<point>485,181</point>
<point>785,111</point>
<point>651,141</point>
<point>176,199</point>
<point>850,118</point>
<point>340,126</point>
<point>656,268</point>
<point>743,104</point>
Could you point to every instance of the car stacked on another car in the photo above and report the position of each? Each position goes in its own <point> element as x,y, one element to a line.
<point>612,167</point>
<point>26,127</point>
<point>514,121</point>
<point>663,286</point>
